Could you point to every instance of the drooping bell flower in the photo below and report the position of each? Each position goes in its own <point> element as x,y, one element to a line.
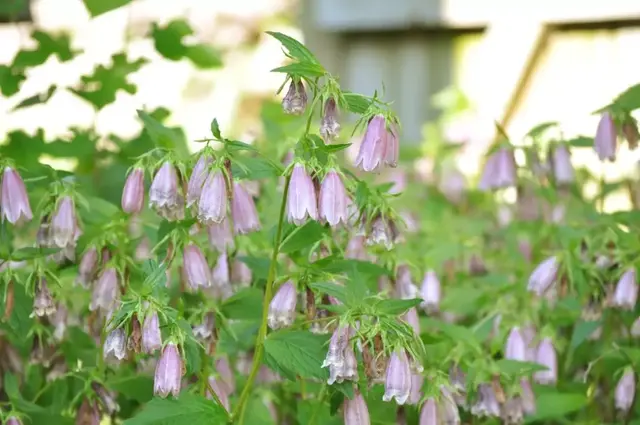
<point>205,330</point>
<point>561,165</point>
<point>105,290</point>
<point>13,420</point>
<point>197,179</point>
<point>59,322</point>
<point>87,267</point>
<point>151,335</point>
<point>301,199</point>
<point>88,413</point>
<point>630,132</point>
<point>499,170</point>
<point>340,357</point>
<point>429,412</point>
<point>487,403</point>
<point>43,304</point>
<point>282,308</point>
<point>606,139</point>
<point>15,201</point>
<point>107,398</point>
<point>333,200</point>
<point>221,391</point>
<point>543,276</point>
<point>295,101</point>
<point>382,232</point>
<point>625,390</point>
<point>226,374</point>
<point>143,250</point>
<point>405,288</point>
<point>355,249</point>
<point>169,371</point>
<point>329,127</point>
<point>452,184</point>
<point>133,192</point>
<point>195,267</point>
<point>355,410</point>
<point>416,389</point>
<point>220,281</point>
<point>115,344</point>
<point>458,382</point>
<point>220,236</point>
<point>243,211</point>
<point>379,146</point>
<point>64,223</point>
<point>447,407</point>
<point>398,378</point>
<point>512,412</point>
<point>546,356</point>
<point>527,397</point>
<point>529,335</point>
<point>515,348</point>
<point>411,317</point>
<point>241,273</point>
<point>212,206</point>
<point>430,291</point>
<point>165,195</point>
<point>626,293</point>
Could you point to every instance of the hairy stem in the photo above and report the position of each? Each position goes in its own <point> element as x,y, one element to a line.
<point>238,412</point>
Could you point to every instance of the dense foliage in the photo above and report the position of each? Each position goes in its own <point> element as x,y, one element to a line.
<point>275,282</point>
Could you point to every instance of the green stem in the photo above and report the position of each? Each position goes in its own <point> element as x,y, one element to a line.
<point>316,410</point>
<point>238,412</point>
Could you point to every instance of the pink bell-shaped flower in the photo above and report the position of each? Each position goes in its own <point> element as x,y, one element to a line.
<point>606,139</point>
<point>133,192</point>
<point>301,199</point>
<point>14,201</point>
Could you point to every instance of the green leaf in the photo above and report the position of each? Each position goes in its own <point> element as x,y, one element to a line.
<point>302,69</point>
<point>296,353</point>
<point>37,99</point>
<point>629,99</point>
<point>454,332</point>
<point>29,253</point>
<point>131,385</point>
<point>254,168</point>
<point>364,267</point>
<point>557,405</point>
<point>396,307</point>
<point>162,136</point>
<point>189,409</point>
<point>168,39</point>
<point>302,237</point>
<point>295,49</point>
<point>334,148</point>
<point>215,129</point>
<point>356,103</point>
<point>245,304</point>
<point>337,291</point>
<point>236,145</point>
<point>204,56</point>
<point>539,129</point>
<point>581,142</point>
<point>513,367</point>
<point>10,80</point>
<point>582,331</point>
<point>98,7</point>
<point>259,266</point>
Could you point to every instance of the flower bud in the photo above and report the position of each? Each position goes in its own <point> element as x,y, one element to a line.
<point>398,380</point>
<point>392,148</point>
<point>197,179</point>
<point>15,201</point>
<point>429,413</point>
<point>151,335</point>
<point>105,290</point>
<point>169,371</point>
<point>543,276</point>
<point>546,356</point>
<point>115,344</point>
<point>355,410</point>
<point>13,420</point>
<point>430,292</point>
<point>282,308</point>
<point>165,195</point>
<point>333,200</point>
<point>378,146</point>
<point>88,413</point>
<point>87,267</point>
<point>64,224</point>
<point>133,192</point>
<point>196,268</point>
<point>212,206</point>
<point>626,293</point>
<point>42,301</point>
<point>487,403</point>
<point>329,127</point>
<point>221,391</point>
<point>606,139</point>
<point>295,101</point>
<point>301,199</point>
<point>561,165</point>
<point>515,348</point>
<point>630,132</point>
<point>243,211</point>
<point>625,390</point>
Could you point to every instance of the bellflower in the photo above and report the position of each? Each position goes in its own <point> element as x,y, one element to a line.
<point>195,267</point>
<point>88,413</point>
<point>499,170</point>
<point>151,335</point>
<point>379,146</point>
<point>630,132</point>
<point>561,165</point>
<point>398,380</point>
<point>515,348</point>
<point>197,179</point>
<point>241,273</point>
<point>43,304</point>
<point>212,206</point>
<point>115,344</point>
<point>625,391</point>
<point>133,192</point>
<point>355,410</point>
<point>165,193</point>
<point>333,200</point>
<point>295,101</point>
<point>226,374</point>
<point>221,391</point>
<point>220,281</point>
<point>329,127</point>
<point>487,403</point>
<point>13,420</point>
<point>405,288</point>
<point>411,317</point>
<point>220,236</point>
<point>64,223</point>
<point>87,267</point>
<point>243,211</point>
<point>169,371</point>
<point>546,356</point>
<point>301,199</point>
<point>543,276</point>
<point>340,358</point>
<point>15,201</point>
<point>429,413</point>
<point>606,139</point>
<point>282,308</point>
<point>447,407</point>
<point>105,290</point>
<point>626,292</point>
<point>430,292</point>
<point>527,397</point>
<point>416,389</point>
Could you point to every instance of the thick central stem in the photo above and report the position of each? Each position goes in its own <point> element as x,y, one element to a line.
<point>238,413</point>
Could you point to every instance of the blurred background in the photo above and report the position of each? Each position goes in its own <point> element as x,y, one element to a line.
<point>461,63</point>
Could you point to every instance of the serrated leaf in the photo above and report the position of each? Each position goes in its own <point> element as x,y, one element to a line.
<point>254,168</point>
<point>168,39</point>
<point>303,237</point>
<point>339,292</point>
<point>245,304</point>
<point>356,103</point>
<point>189,409</point>
<point>294,47</point>
<point>237,145</point>
<point>215,129</point>
<point>396,307</point>
<point>296,353</point>
<point>98,7</point>
<point>302,69</point>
